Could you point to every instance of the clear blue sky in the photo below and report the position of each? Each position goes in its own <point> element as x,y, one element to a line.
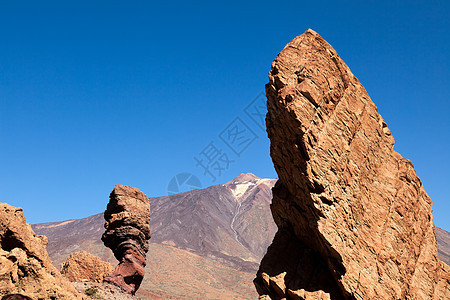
<point>94,94</point>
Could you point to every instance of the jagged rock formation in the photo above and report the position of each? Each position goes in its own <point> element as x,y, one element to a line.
<point>354,221</point>
<point>25,268</point>
<point>82,265</point>
<point>127,233</point>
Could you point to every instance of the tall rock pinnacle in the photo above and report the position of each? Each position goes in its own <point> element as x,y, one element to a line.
<point>127,233</point>
<point>354,221</point>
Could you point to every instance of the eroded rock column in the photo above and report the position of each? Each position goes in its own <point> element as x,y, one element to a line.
<point>127,232</point>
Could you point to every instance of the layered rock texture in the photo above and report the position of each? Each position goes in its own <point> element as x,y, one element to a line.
<point>25,267</point>
<point>82,266</point>
<point>127,232</point>
<point>354,221</point>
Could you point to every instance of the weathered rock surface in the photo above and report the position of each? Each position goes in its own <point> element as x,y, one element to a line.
<point>25,267</point>
<point>127,233</point>
<point>354,221</point>
<point>82,265</point>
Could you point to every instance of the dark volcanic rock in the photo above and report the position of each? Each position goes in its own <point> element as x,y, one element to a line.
<point>127,233</point>
<point>354,221</point>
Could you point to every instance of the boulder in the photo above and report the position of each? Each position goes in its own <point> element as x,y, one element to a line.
<point>84,266</point>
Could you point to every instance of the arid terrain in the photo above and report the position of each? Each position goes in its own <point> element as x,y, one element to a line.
<point>192,257</point>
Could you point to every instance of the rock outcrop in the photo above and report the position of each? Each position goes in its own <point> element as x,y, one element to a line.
<point>354,221</point>
<point>82,265</point>
<point>127,233</point>
<point>25,268</point>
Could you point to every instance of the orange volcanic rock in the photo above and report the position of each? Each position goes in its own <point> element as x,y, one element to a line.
<point>127,233</point>
<point>26,271</point>
<point>354,221</point>
<point>82,265</point>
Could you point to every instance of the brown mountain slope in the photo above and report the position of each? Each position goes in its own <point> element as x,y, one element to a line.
<point>180,274</point>
<point>228,223</point>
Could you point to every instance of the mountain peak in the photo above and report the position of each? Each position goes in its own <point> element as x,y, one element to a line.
<point>242,184</point>
<point>242,178</point>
